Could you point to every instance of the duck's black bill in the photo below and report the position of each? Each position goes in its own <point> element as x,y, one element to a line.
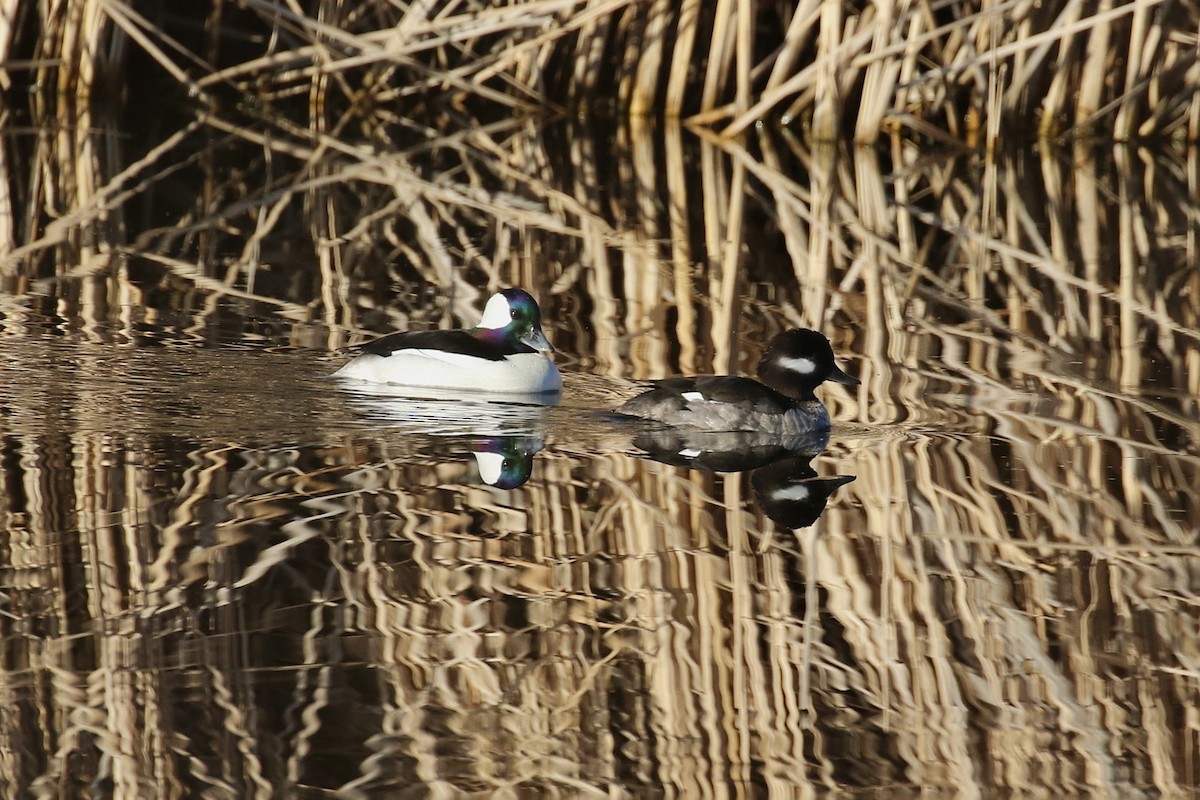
<point>837,376</point>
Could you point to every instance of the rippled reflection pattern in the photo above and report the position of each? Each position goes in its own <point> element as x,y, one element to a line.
<point>211,618</point>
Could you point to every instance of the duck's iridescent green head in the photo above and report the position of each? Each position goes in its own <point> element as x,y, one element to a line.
<point>513,315</point>
<point>506,462</point>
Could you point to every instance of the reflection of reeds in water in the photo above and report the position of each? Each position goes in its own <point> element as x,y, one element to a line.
<point>338,603</point>
<point>1024,572</point>
<point>1017,578</point>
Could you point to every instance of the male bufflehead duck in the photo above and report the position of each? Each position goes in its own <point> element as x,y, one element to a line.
<point>503,354</point>
<point>795,363</point>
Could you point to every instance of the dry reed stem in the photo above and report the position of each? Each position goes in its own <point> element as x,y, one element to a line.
<point>797,37</point>
<point>827,102</point>
<point>681,58</point>
<point>8,14</point>
<point>8,212</point>
<point>648,65</point>
<point>720,55</point>
<point>743,55</point>
<point>879,81</point>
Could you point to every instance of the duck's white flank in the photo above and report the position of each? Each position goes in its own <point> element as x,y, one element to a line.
<point>523,373</point>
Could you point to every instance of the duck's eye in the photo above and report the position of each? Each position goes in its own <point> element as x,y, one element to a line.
<point>512,312</point>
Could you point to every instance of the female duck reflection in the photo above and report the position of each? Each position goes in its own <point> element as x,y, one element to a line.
<point>785,486</point>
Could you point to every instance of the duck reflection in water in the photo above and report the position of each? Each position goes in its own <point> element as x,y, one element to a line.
<point>440,412</point>
<point>505,462</point>
<point>786,487</point>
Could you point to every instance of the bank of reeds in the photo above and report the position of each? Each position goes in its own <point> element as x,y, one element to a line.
<point>364,94</point>
<point>957,73</point>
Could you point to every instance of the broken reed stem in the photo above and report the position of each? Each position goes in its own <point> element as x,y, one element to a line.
<point>681,58</point>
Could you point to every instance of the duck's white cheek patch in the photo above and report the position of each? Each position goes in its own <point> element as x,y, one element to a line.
<point>490,467</point>
<point>496,314</point>
<point>805,366</point>
<point>796,491</point>
<point>693,397</point>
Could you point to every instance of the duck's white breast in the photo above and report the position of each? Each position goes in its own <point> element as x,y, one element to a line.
<point>436,369</point>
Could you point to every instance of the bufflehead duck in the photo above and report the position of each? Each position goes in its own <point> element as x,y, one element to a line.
<point>795,363</point>
<point>503,354</point>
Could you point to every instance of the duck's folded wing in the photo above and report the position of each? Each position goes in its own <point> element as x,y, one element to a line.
<point>744,392</point>
<point>672,395</point>
<point>455,342</point>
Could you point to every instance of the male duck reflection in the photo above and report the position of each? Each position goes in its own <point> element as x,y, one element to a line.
<point>504,354</point>
<point>795,363</point>
<point>505,462</point>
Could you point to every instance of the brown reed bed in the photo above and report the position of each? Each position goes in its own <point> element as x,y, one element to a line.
<point>960,72</point>
<point>956,73</point>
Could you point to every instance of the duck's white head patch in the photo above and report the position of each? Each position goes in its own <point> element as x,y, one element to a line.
<point>496,314</point>
<point>805,366</point>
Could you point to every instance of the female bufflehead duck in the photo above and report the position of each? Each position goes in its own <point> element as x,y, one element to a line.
<point>796,362</point>
<point>503,354</point>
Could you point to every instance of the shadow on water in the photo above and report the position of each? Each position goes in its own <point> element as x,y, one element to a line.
<point>225,573</point>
